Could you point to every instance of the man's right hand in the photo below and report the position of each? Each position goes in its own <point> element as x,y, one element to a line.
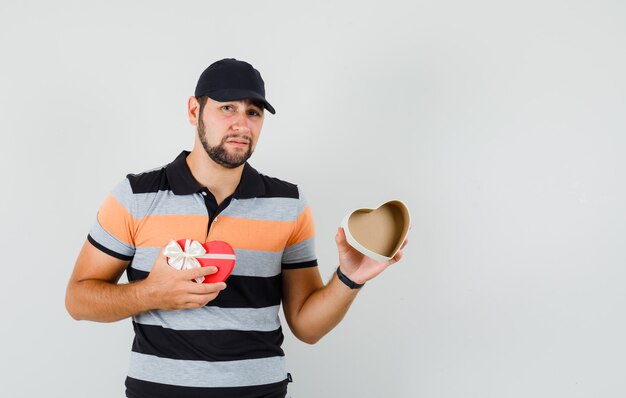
<point>93,292</point>
<point>167,288</point>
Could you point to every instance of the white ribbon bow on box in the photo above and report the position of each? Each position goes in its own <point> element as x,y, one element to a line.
<point>187,258</point>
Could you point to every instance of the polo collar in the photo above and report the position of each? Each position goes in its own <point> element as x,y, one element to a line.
<point>182,182</point>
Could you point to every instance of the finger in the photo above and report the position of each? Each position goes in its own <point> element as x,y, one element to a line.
<point>161,259</point>
<point>398,256</point>
<point>200,301</point>
<point>342,242</point>
<point>161,267</point>
<point>207,288</point>
<point>406,240</point>
<point>340,235</point>
<point>194,273</point>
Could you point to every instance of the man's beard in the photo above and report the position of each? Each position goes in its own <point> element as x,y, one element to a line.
<point>219,154</point>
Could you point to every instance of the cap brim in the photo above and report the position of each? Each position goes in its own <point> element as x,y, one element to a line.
<point>238,94</point>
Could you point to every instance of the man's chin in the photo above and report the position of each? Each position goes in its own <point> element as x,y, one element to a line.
<point>232,163</point>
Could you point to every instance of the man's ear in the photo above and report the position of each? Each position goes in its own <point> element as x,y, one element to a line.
<point>193,110</point>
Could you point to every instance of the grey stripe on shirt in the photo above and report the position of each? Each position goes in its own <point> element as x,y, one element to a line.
<point>166,203</point>
<point>247,372</point>
<point>214,318</point>
<point>248,262</point>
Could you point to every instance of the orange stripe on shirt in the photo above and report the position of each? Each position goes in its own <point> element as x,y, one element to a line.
<point>157,231</point>
<point>116,220</point>
<point>241,233</point>
<point>247,234</point>
<point>305,228</point>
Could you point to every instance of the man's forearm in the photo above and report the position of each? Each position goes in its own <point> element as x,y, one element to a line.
<point>103,301</point>
<point>323,310</point>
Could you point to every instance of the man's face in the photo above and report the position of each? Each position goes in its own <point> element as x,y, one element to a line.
<point>229,130</point>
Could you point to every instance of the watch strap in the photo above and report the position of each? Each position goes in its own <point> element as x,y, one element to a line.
<point>347,281</point>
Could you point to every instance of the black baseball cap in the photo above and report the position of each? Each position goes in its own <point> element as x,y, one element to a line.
<point>231,80</point>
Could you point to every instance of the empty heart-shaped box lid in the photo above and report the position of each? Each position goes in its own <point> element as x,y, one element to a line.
<point>378,233</point>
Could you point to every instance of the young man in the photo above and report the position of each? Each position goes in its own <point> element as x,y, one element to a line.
<point>214,339</point>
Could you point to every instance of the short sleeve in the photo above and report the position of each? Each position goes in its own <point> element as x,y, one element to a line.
<point>300,249</point>
<point>113,231</point>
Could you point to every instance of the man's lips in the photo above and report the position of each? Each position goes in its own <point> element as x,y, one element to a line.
<point>238,142</point>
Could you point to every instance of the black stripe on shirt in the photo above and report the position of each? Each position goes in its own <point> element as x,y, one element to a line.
<point>207,345</point>
<point>304,264</point>
<point>150,181</point>
<point>145,389</point>
<point>177,177</point>
<point>240,292</point>
<point>107,250</point>
<point>276,188</point>
<point>250,292</point>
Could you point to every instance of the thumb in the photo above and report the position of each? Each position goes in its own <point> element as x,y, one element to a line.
<point>341,241</point>
<point>161,260</point>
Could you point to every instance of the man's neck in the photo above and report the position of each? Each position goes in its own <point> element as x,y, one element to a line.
<point>221,181</point>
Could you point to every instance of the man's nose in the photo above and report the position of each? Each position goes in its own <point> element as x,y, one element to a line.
<point>240,123</point>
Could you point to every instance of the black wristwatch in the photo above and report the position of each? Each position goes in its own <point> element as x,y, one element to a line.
<point>347,281</point>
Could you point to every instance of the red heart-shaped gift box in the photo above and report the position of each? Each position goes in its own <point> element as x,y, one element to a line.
<point>218,254</point>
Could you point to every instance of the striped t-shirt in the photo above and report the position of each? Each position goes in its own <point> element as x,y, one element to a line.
<point>232,346</point>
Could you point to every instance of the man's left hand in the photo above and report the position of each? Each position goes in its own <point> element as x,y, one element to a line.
<point>357,266</point>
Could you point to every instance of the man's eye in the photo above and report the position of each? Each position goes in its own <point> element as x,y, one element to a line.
<point>254,113</point>
<point>227,107</point>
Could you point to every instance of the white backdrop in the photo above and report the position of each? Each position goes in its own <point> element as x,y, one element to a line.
<point>500,123</point>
